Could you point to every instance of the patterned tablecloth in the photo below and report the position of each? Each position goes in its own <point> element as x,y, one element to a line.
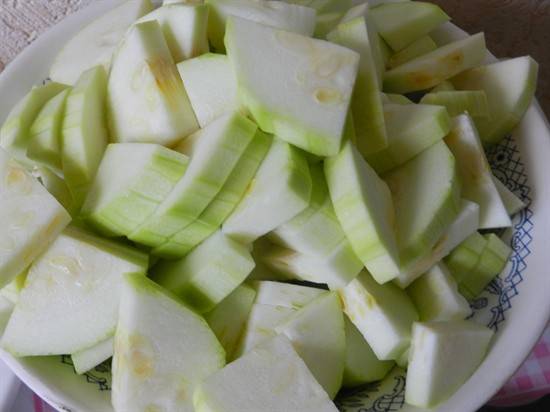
<point>513,28</point>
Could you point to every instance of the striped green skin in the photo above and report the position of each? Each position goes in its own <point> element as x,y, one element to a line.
<point>436,296</point>
<point>218,148</point>
<point>45,133</point>
<point>329,13</point>
<point>84,132</point>
<point>336,268</point>
<point>418,48</point>
<point>465,256</point>
<point>14,134</point>
<point>366,104</point>
<point>208,274</point>
<point>430,69</point>
<point>457,102</point>
<point>281,190</point>
<point>315,231</point>
<point>411,129</point>
<point>282,15</point>
<point>491,262</point>
<point>426,197</point>
<point>223,204</point>
<point>117,208</point>
<point>184,28</point>
<point>401,24</point>
<point>363,204</point>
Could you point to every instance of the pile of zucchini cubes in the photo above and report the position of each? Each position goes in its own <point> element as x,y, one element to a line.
<point>250,205</point>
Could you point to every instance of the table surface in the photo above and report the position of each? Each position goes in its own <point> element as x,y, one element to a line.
<point>512,27</point>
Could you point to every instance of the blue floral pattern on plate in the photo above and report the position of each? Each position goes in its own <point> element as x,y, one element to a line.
<point>489,308</point>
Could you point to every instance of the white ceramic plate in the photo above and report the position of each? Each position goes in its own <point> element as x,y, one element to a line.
<point>516,305</point>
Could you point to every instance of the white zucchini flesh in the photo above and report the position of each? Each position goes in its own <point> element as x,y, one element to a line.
<point>443,356</point>
<point>228,319</point>
<point>363,204</point>
<point>146,99</point>
<point>361,366</point>
<point>278,14</point>
<point>335,269</point>
<point>436,297</point>
<point>132,180</point>
<point>510,86</point>
<point>465,224</point>
<point>184,27</point>
<point>71,296</point>
<point>477,179</point>
<point>306,100</point>
<point>274,373</point>
<point>383,314</point>
<point>164,343</point>
<point>317,332</point>
<point>375,41</point>
<point>417,48</point>
<point>214,152</point>
<point>281,190</point>
<point>316,230</point>
<point>274,303</point>
<point>95,44</point>
<point>56,186</point>
<point>512,203</point>
<point>411,128</point>
<point>284,294</point>
<point>31,219</point>
<point>261,325</point>
<point>211,86</point>
<point>87,359</point>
